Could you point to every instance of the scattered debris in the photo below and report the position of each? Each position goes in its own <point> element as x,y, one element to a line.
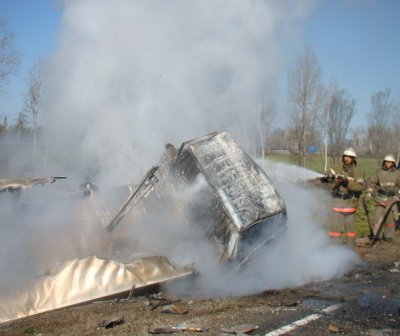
<point>240,329</point>
<point>180,327</point>
<point>333,329</point>
<point>380,332</point>
<point>23,183</point>
<point>174,309</point>
<point>111,323</point>
<point>163,330</point>
<point>291,303</point>
<point>160,299</point>
<point>395,268</point>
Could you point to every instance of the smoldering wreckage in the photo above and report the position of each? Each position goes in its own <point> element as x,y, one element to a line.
<point>237,208</point>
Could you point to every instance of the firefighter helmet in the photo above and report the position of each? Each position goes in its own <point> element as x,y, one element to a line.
<point>350,152</point>
<point>390,158</point>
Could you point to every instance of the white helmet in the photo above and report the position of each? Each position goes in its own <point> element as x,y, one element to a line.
<point>349,152</point>
<point>390,158</point>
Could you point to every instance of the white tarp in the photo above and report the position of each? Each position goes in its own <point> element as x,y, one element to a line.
<point>82,280</point>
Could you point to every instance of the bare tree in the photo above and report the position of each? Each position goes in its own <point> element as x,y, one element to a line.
<point>21,126</point>
<point>9,58</point>
<point>267,114</point>
<point>341,109</point>
<point>32,100</point>
<point>279,139</point>
<point>378,122</point>
<point>306,97</point>
<point>325,122</point>
<point>359,140</point>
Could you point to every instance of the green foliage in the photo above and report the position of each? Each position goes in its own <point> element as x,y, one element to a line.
<point>31,330</point>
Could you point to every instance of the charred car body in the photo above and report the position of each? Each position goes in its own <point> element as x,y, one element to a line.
<point>234,200</point>
<point>246,210</point>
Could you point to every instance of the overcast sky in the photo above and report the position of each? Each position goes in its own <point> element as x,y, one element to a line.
<point>357,43</point>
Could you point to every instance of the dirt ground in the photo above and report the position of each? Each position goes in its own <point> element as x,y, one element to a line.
<point>369,297</point>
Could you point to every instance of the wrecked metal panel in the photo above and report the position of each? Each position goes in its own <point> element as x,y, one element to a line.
<point>83,280</point>
<point>241,185</point>
<point>145,187</point>
<point>22,183</point>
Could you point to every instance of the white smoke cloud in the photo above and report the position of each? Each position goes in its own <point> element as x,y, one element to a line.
<point>306,250</point>
<point>129,76</point>
<point>303,254</point>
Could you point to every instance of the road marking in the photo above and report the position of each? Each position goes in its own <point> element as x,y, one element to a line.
<point>303,321</point>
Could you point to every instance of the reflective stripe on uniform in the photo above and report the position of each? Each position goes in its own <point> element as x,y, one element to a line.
<point>382,203</point>
<point>390,225</point>
<point>345,210</point>
<point>334,234</point>
<point>387,184</point>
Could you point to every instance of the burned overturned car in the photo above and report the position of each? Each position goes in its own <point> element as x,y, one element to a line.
<point>210,183</point>
<point>235,202</point>
<point>246,210</point>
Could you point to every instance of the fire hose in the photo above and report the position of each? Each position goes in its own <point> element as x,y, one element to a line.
<point>382,220</point>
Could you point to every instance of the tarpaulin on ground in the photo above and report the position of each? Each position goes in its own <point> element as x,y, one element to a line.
<point>83,280</point>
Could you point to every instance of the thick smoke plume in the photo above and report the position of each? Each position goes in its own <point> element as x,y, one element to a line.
<point>129,77</point>
<point>304,253</point>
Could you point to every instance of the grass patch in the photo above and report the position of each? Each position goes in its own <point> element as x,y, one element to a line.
<point>31,330</point>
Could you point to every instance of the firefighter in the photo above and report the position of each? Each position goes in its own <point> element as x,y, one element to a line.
<point>347,186</point>
<point>385,185</point>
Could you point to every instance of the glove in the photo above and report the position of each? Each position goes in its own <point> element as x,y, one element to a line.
<point>327,178</point>
<point>341,181</point>
<point>324,179</point>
